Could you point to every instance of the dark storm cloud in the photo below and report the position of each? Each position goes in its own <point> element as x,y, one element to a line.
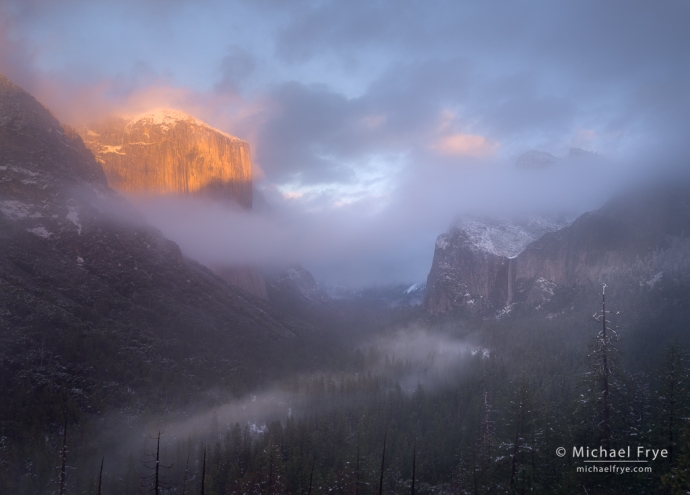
<point>581,59</point>
<point>235,67</point>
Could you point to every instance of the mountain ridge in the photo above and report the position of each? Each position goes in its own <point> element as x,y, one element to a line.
<point>468,277</point>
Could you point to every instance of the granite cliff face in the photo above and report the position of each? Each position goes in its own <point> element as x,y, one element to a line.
<point>471,272</point>
<point>629,228</point>
<point>94,302</point>
<point>169,152</point>
<point>474,262</point>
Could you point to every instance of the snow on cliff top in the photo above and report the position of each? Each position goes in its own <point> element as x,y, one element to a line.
<point>168,117</point>
<point>508,238</point>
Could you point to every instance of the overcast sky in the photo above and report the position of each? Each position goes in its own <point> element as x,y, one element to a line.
<point>372,124</point>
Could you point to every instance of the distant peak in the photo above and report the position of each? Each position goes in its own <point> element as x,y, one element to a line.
<point>162,116</point>
<point>169,117</point>
<point>534,159</point>
<point>579,153</point>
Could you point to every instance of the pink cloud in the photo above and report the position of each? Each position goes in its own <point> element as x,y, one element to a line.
<point>459,144</point>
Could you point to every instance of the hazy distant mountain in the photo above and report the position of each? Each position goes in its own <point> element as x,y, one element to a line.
<point>94,300</point>
<point>534,159</point>
<point>485,268</point>
<point>294,290</point>
<point>537,160</point>
<point>580,153</point>
<point>388,296</point>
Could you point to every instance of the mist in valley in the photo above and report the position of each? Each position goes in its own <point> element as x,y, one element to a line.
<point>406,360</point>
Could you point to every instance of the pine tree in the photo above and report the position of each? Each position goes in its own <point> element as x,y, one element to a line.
<point>522,423</point>
<point>677,480</point>
<point>673,398</point>
<point>603,381</point>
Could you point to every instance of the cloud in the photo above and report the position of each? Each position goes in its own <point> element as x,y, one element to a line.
<point>465,145</point>
<point>235,67</point>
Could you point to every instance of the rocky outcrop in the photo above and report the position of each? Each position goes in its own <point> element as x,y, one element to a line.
<point>169,152</point>
<point>468,272</point>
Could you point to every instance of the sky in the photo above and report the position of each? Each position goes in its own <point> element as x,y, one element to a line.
<point>373,124</point>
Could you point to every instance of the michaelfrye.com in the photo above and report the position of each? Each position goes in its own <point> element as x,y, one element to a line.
<point>628,459</point>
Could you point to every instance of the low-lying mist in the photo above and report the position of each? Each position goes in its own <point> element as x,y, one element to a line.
<point>403,359</point>
<point>380,240</point>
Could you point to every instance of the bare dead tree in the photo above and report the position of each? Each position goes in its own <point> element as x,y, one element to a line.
<point>270,465</point>
<point>100,476</point>
<point>603,355</point>
<point>156,481</point>
<point>186,473</point>
<point>311,476</point>
<point>383,460</point>
<point>414,461</point>
<point>203,473</point>
<point>357,470</point>
<point>63,469</point>
<point>605,369</point>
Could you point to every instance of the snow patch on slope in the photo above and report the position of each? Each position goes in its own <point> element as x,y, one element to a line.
<point>168,118</point>
<point>40,232</point>
<point>413,288</point>
<point>504,237</point>
<point>15,210</point>
<point>73,217</point>
<point>442,242</point>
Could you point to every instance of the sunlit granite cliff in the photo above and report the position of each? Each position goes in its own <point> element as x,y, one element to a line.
<point>166,151</point>
<point>170,152</point>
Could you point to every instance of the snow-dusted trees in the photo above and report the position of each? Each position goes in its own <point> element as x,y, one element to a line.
<point>599,403</point>
<point>521,424</point>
